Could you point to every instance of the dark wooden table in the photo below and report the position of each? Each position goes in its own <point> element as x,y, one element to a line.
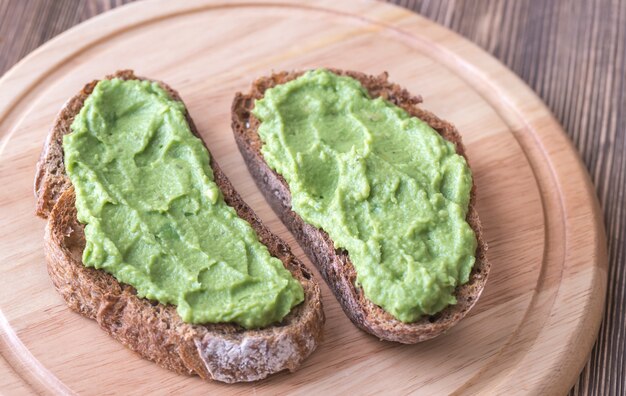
<point>572,53</point>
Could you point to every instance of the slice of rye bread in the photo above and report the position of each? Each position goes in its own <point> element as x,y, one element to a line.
<point>334,264</point>
<point>223,352</point>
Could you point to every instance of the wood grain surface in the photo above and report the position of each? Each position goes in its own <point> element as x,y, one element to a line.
<point>572,53</point>
<point>533,327</point>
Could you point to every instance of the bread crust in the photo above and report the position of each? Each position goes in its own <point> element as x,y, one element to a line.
<point>222,352</point>
<point>334,264</point>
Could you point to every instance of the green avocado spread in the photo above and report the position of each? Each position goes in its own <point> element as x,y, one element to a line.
<point>156,220</point>
<point>385,186</point>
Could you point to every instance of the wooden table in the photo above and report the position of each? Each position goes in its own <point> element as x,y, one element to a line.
<point>573,54</point>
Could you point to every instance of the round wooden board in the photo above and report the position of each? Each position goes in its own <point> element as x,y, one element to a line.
<point>538,317</point>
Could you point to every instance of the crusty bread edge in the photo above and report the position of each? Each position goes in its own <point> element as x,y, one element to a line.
<point>334,264</point>
<point>223,352</point>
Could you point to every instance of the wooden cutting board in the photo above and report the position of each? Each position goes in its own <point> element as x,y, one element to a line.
<point>538,317</point>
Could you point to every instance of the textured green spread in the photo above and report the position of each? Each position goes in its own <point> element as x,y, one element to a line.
<point>385,186</point>
<point>156,220</point>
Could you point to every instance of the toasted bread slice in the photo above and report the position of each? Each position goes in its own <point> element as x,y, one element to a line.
<point>334,264</point>
<point>223,352</point>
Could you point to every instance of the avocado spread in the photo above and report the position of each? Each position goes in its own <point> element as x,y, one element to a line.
<point>156,220</point>
<point>385,186</point>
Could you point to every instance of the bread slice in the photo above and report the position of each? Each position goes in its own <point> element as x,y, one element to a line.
<point>334,264</point>
<point>223,352</point>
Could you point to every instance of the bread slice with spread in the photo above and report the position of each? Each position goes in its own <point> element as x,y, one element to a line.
<point>226,352</point>
<point>319,138</point>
